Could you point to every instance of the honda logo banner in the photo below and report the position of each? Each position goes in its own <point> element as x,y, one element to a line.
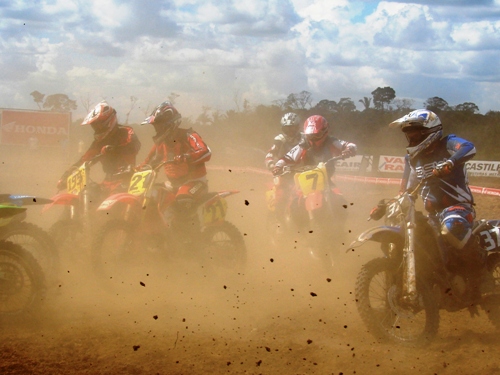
<point>23,127</point>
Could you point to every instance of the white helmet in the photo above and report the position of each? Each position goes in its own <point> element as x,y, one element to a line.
<point>290,124</point>
<point>421,127</point>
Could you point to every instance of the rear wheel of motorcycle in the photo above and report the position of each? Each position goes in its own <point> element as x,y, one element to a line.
<point>492,303</point>
<point>37,242</point>
<point>224,247</point>
<point>22,281</point>
<point>384,314</point>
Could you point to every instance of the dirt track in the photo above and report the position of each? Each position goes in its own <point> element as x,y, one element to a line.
<point>284,315</point>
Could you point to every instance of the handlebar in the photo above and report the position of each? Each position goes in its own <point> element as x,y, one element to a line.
<point>155,168</point>
<point>303,168</point>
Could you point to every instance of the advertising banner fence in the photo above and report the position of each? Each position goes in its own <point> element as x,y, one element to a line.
<point>34,128</point>
<point>391,164</point>
<point>480,168</point>
<point>477,168</point>
<point>355,164</point>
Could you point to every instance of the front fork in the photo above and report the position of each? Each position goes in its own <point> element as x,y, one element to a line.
<point>86,221</point>
<point>409,278</point>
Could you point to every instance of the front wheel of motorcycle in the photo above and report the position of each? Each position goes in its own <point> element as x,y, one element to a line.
<point>22,281</point>
<point>37,242</point>
<point>224,247</point>
<point>118,256</point>
<point>492,303</point>
<point>385,312</point>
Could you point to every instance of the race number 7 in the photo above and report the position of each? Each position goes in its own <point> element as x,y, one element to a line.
<point>314,177</point>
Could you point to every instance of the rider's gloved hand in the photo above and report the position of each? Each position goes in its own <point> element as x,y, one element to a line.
<point>107,149</point>
<point>349,151</point>
<point>271,166</point>
<point>277,170</point>
<point>443,168</point>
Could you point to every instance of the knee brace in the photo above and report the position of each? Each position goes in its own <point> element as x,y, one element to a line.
<point>456,226</point>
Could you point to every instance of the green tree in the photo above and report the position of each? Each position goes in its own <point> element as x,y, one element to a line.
<point>59,103</point>
<point>404,104</point>
<point>38,98</point>
<point>346,105</point>
<point>326,105</point>
<point>436,104</point>
<point>366,101</point>
<point>383,96</point>
<point>467,107</point>
<point>302,100</point>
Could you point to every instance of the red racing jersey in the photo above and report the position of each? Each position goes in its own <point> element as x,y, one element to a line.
<point>189,149</point>
<point>125,147</point>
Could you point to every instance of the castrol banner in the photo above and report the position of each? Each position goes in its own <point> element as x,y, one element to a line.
<point>483,168</point>
<point>34,128</point>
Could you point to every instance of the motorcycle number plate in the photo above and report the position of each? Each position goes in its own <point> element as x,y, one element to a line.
<point>490,238</point>
<point>310,181</point>
<point>139,182</point>
<point>76,181</point>
<point>215,211</point>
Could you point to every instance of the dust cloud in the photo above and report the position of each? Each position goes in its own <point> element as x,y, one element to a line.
<point>284,314</point>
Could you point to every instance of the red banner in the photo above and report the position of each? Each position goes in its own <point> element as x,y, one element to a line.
<point>34,128</point>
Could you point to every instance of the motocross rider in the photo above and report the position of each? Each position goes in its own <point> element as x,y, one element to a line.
<point>117,144</point>
<point>283,142</point>
<point>185,153</point>
<point>447,196</point>
<point>316,146</point>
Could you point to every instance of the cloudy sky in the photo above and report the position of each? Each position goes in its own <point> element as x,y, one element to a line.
<point>218,53</point>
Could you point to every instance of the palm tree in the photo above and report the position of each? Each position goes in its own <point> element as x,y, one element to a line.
<point>366,102</point>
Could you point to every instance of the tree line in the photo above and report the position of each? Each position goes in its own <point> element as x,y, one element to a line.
<point>255,126</point>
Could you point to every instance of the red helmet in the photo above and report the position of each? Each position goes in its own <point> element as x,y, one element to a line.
<point>102,119</point>
<point>165,118</point>
<point>315,130</point>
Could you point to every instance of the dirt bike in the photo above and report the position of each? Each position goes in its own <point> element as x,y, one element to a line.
<point>315,212</point>
<point>73,231</point>
<point>399,296</point>
<point>31,237</point>
<point>144,233</point>
<point>22,282</point>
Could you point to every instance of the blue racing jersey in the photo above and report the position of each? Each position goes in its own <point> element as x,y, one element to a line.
<point>441,192</point>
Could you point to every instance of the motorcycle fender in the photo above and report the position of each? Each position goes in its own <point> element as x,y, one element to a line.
<point>383,234</point>
<point>64,199</point>
<point>24,200</point>
<point>314,201</point>
<point>125,198</point>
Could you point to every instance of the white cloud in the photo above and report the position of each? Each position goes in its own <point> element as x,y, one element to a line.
<point>477,35</point>
<point>207,50</point>
<point>110,13</point>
